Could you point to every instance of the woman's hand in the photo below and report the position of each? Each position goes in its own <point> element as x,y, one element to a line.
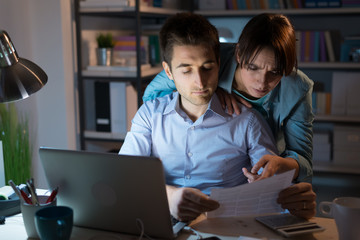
<point>299,199</point>
<point>229,101</point>
<point>272,164</point>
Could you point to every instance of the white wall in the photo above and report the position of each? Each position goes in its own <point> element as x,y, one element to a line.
<point>41,31</point>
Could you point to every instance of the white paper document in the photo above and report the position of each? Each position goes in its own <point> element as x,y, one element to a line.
<point>251,199</point>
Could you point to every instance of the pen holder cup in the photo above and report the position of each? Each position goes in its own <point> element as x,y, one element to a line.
<point>28,213</point>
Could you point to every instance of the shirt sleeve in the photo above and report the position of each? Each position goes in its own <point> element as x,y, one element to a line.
<point>298,133</point>
<point>160,86</point>
<point>138,140</point>
<point>260,139</point>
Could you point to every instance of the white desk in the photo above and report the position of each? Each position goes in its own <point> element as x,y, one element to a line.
<point>226,229</point>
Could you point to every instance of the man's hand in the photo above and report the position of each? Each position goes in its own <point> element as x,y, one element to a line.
<point>299,199</point>
<point>187,204</point>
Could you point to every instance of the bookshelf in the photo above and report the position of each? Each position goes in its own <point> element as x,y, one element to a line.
<point>342,19</point>
<point>130,19</point>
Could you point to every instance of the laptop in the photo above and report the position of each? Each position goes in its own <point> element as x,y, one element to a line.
<point>111,192</point>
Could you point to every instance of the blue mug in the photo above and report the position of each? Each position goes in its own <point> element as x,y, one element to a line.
<point>54,223</point>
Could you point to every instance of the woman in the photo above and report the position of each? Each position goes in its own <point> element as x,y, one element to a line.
<point>261,69</point>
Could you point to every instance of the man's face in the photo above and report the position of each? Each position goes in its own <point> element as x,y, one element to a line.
<point>194,70</point>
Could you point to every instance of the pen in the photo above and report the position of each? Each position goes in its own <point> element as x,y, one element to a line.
<point>34,198</point>
<point>15,188</point>
<point>52,195</point>
<point>25,197</point>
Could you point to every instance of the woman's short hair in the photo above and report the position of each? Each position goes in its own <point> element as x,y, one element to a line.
<point>274,31</point>
<point>188,29</point>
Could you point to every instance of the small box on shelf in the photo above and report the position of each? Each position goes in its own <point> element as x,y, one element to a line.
<point>345,93</point>
<point>346,145</point>
<point>322,147</point>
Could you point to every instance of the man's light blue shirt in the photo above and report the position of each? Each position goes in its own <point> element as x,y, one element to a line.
<point>203,154</point>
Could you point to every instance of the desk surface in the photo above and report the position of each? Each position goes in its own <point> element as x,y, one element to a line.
<point>224,228</point>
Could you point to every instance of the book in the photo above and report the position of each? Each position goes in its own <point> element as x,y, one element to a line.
<point>323,56</point>
<point>334,3</point>
<point>154,50</point>
<point>321,103</point>
<point>274,4</point>
<point>212,5</point>
<point>298,45</point>
<point>118,110</point>
<point>310,4</point>
<point>102,107</point>
<point>339,92</point>
<point>123,105</point>
<point>329,46</point>
<point>352,93</point>
<point>316,53</point>
<point>312,46</point>
<point>322,3</point>
<point>307,46</point>
<point>241,4</point>
<point>302,47</point>
<point>336,39</point>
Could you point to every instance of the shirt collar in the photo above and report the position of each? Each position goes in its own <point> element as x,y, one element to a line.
<point>214,106</point>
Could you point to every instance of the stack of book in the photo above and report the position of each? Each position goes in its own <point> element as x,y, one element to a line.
<point>125,50</point>
<point>318,46</point>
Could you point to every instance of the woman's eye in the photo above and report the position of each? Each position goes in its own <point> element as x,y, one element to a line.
<point>275,73</point>
<point>252,67</point>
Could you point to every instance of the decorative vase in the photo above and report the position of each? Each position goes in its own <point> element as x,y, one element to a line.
<point>104,56</point>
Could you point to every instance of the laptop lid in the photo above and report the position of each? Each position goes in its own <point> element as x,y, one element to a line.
<point>110,192</point>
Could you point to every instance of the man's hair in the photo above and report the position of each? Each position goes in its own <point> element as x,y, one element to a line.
<point>188,29</point>
<point>269,30</point>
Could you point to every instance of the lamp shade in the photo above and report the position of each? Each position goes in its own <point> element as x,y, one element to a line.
<point>19,77</point>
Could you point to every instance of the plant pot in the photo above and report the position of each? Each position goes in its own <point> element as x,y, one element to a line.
<point>104,56</point>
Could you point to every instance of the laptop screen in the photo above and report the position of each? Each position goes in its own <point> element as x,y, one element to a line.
<point>109,191</point>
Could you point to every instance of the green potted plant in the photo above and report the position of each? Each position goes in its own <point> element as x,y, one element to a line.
<point>14,137</point>
<point>104,51</point>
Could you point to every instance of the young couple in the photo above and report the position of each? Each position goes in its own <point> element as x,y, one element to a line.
<point>204,144</point>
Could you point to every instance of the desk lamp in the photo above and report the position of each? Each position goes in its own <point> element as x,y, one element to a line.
<point>19,77</point>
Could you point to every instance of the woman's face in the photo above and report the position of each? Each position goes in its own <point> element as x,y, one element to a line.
<point>258,78</point>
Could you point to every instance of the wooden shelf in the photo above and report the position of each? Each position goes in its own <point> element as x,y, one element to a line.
<point>114,73</point>
<point>302,11</point>
<point>104,135</point>
<point>335,168</point>
<point>337,119</point>
<point>330,65</point>
<point>144,10</point>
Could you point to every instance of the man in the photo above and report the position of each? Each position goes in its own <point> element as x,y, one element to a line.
<point>201,145</point>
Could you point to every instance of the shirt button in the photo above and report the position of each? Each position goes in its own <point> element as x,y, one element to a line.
<point>190,154</point>
<point>187,177</point>
<point>192,128</point>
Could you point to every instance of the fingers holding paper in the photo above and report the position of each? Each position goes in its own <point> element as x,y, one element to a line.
<point>186,204</point>
<point>299,199</point>
<point>271,165</point>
